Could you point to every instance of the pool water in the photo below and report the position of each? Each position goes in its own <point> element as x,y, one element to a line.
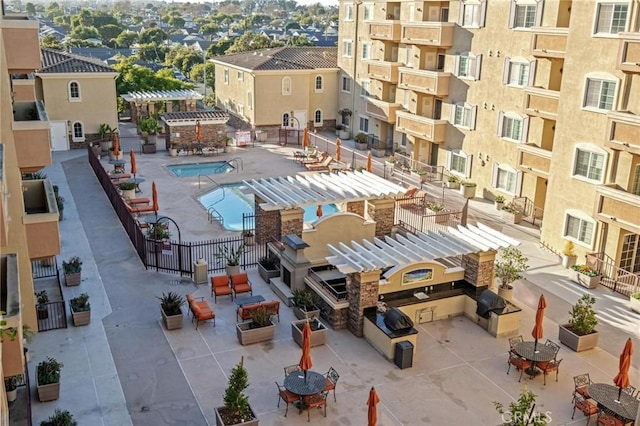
<point>195,169</point>
<point>231,201</point>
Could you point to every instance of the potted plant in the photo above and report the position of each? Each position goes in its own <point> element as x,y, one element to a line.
<point>170,307</point>
<point>72,271</point>
<point>304,305</point>
<point>338,129</point>
<point>80,310</point>
<point>438,212</point>
<point>48,379</point>
<point>60,418</point>
<point>149,128</point>
<point>344,132</point>
<point>318,331</point>
<point>361,141</point>
<point>521,412</point>
<point>269,267</point>
<point>568,255</point>
<point>173,149</point>
<point>585,275</point>
<point>128,189</point>
<point>468,189</point>
<point>231,257</point>
<point>498,201</point>
<point>248,237</point>
<point>453,182</point>
<point>236,409</point>
<point>11,386</point>
<point>509,267</point>
<point>42,309</point>
<point>580,334</point>
<point>60,203</point>
<point>105,132</point>
<point>259,329</point>
<point>228,148</point>
<point>511,213</point>
<point>634,302</point>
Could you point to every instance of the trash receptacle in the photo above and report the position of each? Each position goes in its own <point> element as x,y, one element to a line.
<point>404,354</point>
<point>200,271</point>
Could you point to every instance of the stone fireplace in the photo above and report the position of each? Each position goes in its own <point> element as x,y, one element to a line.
<point>294,266</point>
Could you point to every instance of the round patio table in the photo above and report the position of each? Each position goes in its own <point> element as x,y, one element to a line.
<point>607,395</point>
<point>313,384</point>
<point>541,353</point>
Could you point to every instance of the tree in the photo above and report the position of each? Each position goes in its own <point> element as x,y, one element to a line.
<point>152,35</point>
<point>219,48</point>
<point>109,32</point>
<point>53,10</point>
<point>522,412</point>
<point>51,42</point>
<point>151,52</point>
<point>126,38</point>
<point>134,78</point>
<point>209,29</point>
<point>31,8</point>
<point>252,41</point>
<point>510,266</point>
<point>83,33</point>
<point>291,25</point>
<point>299,41</point>
<point>176,22</point>
<point>197,72</point>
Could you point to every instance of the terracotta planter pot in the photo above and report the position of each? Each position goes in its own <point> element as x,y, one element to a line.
<point>72,280</point>
<point>42,312</point>
<point>318,337</point>
<point>247,335</point>
<point>81,318</point>
<point>576,342</point>
<point>172,322</point>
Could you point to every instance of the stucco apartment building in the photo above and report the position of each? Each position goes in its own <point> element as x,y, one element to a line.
<point>28,209</point>
<point>538,99</point>
<point>285,87</point>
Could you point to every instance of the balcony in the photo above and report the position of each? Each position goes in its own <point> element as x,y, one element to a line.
<point>629,58</point>
<point>4,202</point>
<point>383,71</point>
<point>623,129</point>
<point>428,33</point>
<point>32,135</point>
<point>421,127</point>
<point>24,87</point>
<point>429,82</point>
<point>535,160</point>
<point>382,110</point>
<point>542,103</point>
<point>549,42</point>
<point>12,354</point>
<point>21,43</point>
<point>41,218</point>
<point>385,30</point>
<point>616,206</point>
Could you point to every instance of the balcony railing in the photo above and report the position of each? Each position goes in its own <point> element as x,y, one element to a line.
<point>21,43</point>
<point>385,30</point>
<point>336,287</point>
<point>629,58</point>
<point>24,87</point>
<point>622,132</point>
<point>12,358</point>
<point>423,81</point>
<point>534,159</point>
<point>428,33</point>
<point>4,202</point>
<point>383,71</point>
<point>32,134</point>
<point>542,103</point>
<point>382,110</point>
<point>41,218</point>
<point>422,127</point>
<point>549,42</point>
<point>619,207</point>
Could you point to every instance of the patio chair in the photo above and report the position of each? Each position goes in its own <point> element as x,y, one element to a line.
<point>581,383</point>
<point>220,287</point>
<point>587,407</point>
<point>608,419</point>
<point>554,345</point>
<point>630,390</point>
<point>323,165</point>
<point>314,158</point>
<point>518,362</point>
<point>240,284</point>
<point>332,380</point>
<point>286,396</point>
<point>513,341</point>
<point>315,401</point>
<point>291,369</point>
<point>549,367</point>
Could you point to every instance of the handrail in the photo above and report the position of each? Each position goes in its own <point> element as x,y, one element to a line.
<point>239,163</point>
<point>213,181</point>
<point>212,213</point>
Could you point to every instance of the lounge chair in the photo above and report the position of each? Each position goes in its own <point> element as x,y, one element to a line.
<point>314,160</point>
<point>136,201</point>
<point>323,165</point>
<point>140,209</point>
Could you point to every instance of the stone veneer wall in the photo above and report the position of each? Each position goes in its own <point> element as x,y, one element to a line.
<point>356,207</point>
<point>382,212</point>
<point>210,135</point>
<point>362,293</point>
<point>267,223</point>
<point>336,318</point>
<point>479,268</point>
<point>292,221</point>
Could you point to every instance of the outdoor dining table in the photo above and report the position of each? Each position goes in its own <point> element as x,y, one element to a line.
<point>313,384</point>
<point>607,396</point>
<point>541,353</point>
<point>118,165</point>
<point>137,181</point>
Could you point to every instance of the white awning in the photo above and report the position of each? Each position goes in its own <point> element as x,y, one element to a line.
<point>162,95</point>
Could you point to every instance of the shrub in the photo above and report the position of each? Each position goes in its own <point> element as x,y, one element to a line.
<point>126,186</point>
<point>585,270</point>
<point>73,266</point>
<point>510,266</point>
<point>270,262</point>
<point>568,249</point>
<point>42,297</point>
<point>499,199</point>
<point>452,179</point>
<point>361,138</point>
<point>231,255</point>
<point>171,303</point>
<point>158,232</point>
<point>469,184</point>
<point>80,303</point>
<point>582,318</point>
<point>48,371</point>
<point>304,300</point>
<point>511,208</point>
<point>521,412</point>
<point>261,318</point>
<point>11,383</point>
<point>636,295</point>
<point>59,418</point>
<point>236,403</point>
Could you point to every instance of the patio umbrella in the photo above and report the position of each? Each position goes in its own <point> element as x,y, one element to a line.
<point>622,379</point>
<point>338,146</point>
<point>369,160</point>
<point>305,360</point>
<point>198,131</point>
<point>319,210</point>
<point>116,145</point>
<point>305,138</point>
<point>537,329</point>
<point>154,197</point>
<point>373,411</point>
<point>134,168</point>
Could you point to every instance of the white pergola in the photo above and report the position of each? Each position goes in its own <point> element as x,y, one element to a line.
<point>283,193</point>
<point>396,253</point>
<point>162,95</point>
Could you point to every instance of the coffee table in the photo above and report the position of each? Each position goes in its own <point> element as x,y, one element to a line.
<point>249,300</point>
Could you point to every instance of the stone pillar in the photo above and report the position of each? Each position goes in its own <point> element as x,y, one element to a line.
<point>182,105</point>
<point>478,268</point>
<point>362,293</point>
<point>382,212</point>
<point>134,112</point>
<point>356,207</point>
<point>267,223</point>
<point>168,106</point>
<point>152,109</point>
<point>291,221</point>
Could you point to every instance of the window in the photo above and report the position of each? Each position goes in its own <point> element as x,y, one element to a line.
<point>368,12</point>
<point>348,12</point>
<point>472,13</point>
<point>464,115</point>
<point>317,118</point>
<point>346,84</point>
<point>611,18</point>
<point>285,119</point>
<point>518,72</point>
<point>525,13</point>
<point>319,83</point>
<point>365,88</point>
<point>286,85</point>
<point>579,227</point>
<point>240,109</point>
<point>513,126</point>
<point>226,76</point>
<point>78,131</point>
<point>589,163</point>
<point>468,66</point>
<point>459,163</point>
<point>600,94</point>
<point>347,48</point>
<point>74,91</point>
<point>507,179</point>
<point>240,76</point>
<point>635,188</point>
<point>364,124</point>
<point>250,100</point>
<point>366,50</point>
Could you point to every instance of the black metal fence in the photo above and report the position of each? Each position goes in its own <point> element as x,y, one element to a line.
<point>290,137</point>
<point>44,268</point>
<point>51,315</point>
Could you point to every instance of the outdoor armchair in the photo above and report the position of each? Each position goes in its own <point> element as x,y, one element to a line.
<point>240,284</point>
<point>607,419</point>
<point>549,367</point>
<point>581,383</point>
<point>200,310</point>
<point>286,396</point>
<point>220,287</point>
<point>513,341</point>
<point>518,362</point>
<point>588,408</point>
<point>315,401</point>
<point>291,369</point>
<point>332,381</point>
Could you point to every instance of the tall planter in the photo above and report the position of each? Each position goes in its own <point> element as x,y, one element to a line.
<point>267,274</point>
<point>149,148</point>
<point>318,337</point>
<point>585,280</point>
<point>172,322</point>
<point>511,217</point>
<point>247,335</point>
<point>468,191</point>
<point>72,280</point>
<point>575,341</point>
<point>301,314</point>
<point>220,421</point>
<point>48,392</point>
<point>634,303</point>
<point>81,318</point>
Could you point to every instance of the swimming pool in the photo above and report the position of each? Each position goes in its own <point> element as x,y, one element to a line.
<point>195,169</point>
<point>231,201</point>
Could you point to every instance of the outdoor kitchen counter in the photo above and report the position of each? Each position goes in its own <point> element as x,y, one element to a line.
<point>382,338</point>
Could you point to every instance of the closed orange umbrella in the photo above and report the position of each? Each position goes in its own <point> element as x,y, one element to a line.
<point>116,145</point>
<point>198,131</point>
<point>305,360</point>
<point>537,329</point>
<point>305,138</point>
<point>154,196</point>
<point>369,160</point>
<point>319,210</point>
<point>622,379</point>
<point>373,411</point>
<point>338,146</point>
<point>134,168</point>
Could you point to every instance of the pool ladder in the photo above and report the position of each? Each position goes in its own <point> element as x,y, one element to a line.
<point>213,214</point>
